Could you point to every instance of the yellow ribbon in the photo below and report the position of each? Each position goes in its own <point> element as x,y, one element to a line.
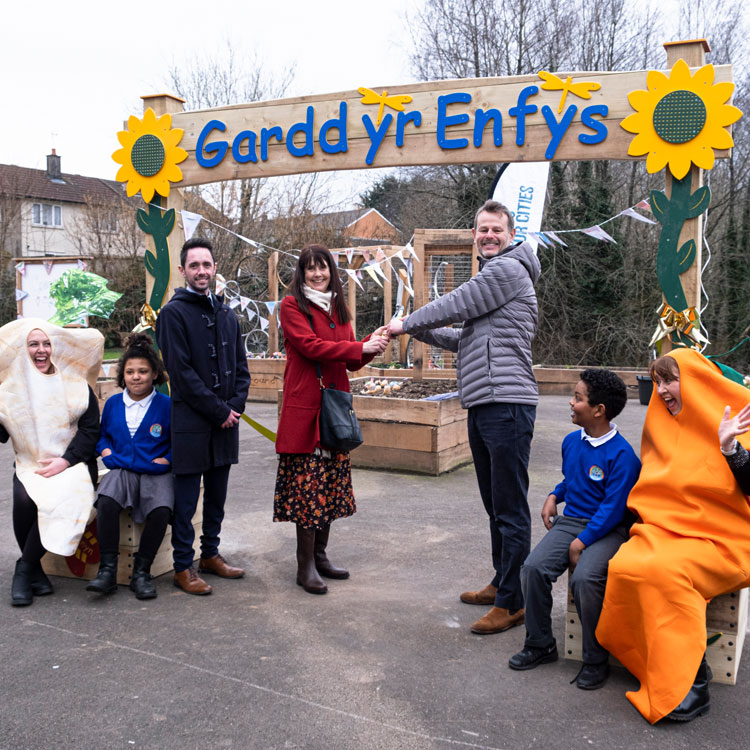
<point>260,428</point>
<point>685,322</point>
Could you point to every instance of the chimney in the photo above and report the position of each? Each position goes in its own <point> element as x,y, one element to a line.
<point>53,166</point>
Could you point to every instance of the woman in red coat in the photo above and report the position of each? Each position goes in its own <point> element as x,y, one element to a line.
<point>313,485</point>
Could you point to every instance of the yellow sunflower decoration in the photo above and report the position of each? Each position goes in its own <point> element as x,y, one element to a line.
<point>149,155</point>
<point>681,119</point>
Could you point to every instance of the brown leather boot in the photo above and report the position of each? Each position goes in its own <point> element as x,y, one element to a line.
<point>218,566</point>
<point>497,620</point>
<point>307,575</point>
<point>323,565</point>
<point>191,583</point>
<point>483,596</point>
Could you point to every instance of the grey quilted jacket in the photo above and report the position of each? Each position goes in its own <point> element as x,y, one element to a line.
<point>499,312</point>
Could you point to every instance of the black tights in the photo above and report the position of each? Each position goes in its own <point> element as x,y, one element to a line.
<point>26,524</point>
<point>108,526</point>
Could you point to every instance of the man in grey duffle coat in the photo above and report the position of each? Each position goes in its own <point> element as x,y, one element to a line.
<point>496,384</point>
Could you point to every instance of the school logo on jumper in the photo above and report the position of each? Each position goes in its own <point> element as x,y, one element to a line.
<point>596,473</point>
<point>155,430</point>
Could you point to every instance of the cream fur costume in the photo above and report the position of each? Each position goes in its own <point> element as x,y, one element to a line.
<point>40,413</point>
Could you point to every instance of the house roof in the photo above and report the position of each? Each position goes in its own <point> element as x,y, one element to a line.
<point>70,188</point>
<point>347,218</point>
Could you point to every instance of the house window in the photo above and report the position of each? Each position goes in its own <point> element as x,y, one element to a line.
<point>46,215</point>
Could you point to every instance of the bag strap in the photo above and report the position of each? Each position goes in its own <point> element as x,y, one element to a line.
<point>317,364</point>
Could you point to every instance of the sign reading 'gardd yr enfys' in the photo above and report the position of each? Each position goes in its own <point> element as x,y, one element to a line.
<point>524,118</point>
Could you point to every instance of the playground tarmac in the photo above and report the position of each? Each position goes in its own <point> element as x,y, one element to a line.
<point>384,660</point>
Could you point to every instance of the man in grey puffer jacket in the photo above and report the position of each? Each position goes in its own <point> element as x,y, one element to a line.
<point>496,384</point>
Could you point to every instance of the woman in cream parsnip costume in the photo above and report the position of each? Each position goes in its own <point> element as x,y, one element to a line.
<point>50,412</point>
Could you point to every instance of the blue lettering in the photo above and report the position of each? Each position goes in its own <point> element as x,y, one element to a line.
<point>557,129</point>
<point>481,118</point>
<point>219,148</point>
<point>305,127</point>
<point>239,157</point>
<point>265,135</point>
<point>401,120</point>
<point>599,128</point>
<point>443,121</point>
<point>376,134</point>
<point>521,110</point>
<point>339,123</point>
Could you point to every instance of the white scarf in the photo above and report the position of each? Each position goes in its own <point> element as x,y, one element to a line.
<point>321,299</point>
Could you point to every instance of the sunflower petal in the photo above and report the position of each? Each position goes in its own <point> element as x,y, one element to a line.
<point>640,145</point>
<point>720,93</point>
<point>720,138</point>
<point>728,115</point>
<point>679,163</point>
<point>641,100</point>
<point>704,157</point>
<point>172,172</point>
<point>147,190</point>
<point>704,76</point>
<point>178,154</point>
<point>173,137</point>
<point>656,81</point>
<point>134,125</point>
<point>656,161</point>
<point>680,74</point>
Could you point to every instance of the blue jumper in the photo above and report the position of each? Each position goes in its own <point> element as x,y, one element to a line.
<point>597,482</point>
<point>151,439</point>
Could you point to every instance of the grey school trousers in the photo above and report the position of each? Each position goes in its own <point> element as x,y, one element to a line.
<point>549,560</point>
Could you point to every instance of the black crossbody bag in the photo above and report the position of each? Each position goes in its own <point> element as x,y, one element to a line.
<point>339,428</point>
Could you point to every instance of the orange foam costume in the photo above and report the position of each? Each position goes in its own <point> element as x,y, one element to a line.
<point>691,541</point>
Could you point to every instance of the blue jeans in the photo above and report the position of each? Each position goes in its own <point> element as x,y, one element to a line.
<point>186,492</point>
<point>500,440</point>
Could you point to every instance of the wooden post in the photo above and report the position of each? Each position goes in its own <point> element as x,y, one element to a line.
<point>273,296</point>
<point>693,52</point>
<point>356,264</point>
<point>387,302</point>
<point>419,298</point>
<point>163,104</point>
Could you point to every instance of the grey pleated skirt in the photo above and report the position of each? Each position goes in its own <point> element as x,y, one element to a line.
<point>140,492</point>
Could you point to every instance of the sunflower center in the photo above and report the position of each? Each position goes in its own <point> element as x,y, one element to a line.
<point>679,116</point>
<point>147,155</point>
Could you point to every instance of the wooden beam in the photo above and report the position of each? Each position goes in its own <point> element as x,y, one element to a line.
<point>273,296</point>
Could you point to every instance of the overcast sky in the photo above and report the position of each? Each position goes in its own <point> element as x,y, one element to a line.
<point>72,72</point>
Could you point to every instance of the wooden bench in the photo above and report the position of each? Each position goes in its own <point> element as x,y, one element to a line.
<point>726,616</point>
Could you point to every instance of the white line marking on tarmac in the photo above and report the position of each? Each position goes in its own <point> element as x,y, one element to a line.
<point>264,689</point>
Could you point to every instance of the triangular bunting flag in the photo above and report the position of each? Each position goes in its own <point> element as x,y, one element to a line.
<point>249,242</point>
<point>20,294</point>
<point>48,266</point>
<point>353,275</point>
<point>349,254</point>
<point>234,302</point>
<point>21,268</point>
<point>263,323</point>
<point>272,306</point>
<point>555,238</point>
<point>251,314</point>
<point>82,264</point>
<point>371,273</point>
<point>411,252</point>
<point>244,302</point>
<point>645,205</point>
<point>635,215</point>
<point>190,222</point>
<point>221,283</point>
<point>598,233</point>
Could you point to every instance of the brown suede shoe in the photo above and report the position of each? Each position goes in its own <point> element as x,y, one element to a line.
<point>497,620</point>
<point>483,596</point>
<point>191,583</point>
<point>217,566</point>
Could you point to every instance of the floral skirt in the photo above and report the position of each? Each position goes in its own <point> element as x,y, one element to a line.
<point>313,490</point>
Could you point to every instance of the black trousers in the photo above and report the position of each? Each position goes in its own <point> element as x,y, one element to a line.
<point>26,524</point>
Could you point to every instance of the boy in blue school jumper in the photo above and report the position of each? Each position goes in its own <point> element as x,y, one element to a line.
<point>599,470</point>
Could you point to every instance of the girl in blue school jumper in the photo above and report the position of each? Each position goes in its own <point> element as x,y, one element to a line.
<point>135,447</point>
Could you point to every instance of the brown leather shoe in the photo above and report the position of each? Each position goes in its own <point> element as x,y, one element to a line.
<point>217,566</point>
<point>191,583</point>
<point>483,596</point>
<point>497,620</point>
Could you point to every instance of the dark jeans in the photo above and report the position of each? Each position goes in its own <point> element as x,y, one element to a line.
<point>548,561</point>
<point>186,491</point>
<point>500,439</point>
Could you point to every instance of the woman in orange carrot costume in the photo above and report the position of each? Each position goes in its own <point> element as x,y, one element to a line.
<point>691,541</point>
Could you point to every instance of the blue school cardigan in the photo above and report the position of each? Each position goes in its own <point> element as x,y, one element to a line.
<point>151,439</point>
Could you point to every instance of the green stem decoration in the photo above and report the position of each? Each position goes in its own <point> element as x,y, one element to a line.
<point>159,225</point>
<point>672,261</point>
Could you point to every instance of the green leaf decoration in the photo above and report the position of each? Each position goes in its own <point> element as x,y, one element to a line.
<point>77,294</point>
<point>699,202</point>
<point>713,638</point>
<point>659,204</point>
<point>686,255</point>
<point>149,260</point>
<point>142,219</point>
<point>169,222</point>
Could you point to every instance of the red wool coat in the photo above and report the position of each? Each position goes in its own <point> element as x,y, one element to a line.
<point>334,347</point>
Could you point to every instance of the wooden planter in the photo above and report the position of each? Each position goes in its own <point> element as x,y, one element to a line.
<point>560,381</point>
<point>266,378</point>
<point>426,437</point>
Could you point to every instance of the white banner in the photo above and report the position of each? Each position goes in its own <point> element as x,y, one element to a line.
<point>522,187</point>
